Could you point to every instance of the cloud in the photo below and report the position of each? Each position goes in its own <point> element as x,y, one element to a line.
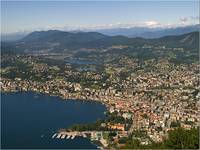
<point>184,20</point>
<point>189,20</point>
<point>113,25</point>
<point>152,23</point>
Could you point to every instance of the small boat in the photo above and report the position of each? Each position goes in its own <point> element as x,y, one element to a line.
<point>73,137</point>
<point>59,135</point>
<point>68,136</point>
<point>63,136</point>
<point>54,135</point>
<point>84,135</point>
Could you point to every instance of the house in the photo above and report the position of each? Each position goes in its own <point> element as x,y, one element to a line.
<point>96,135</point>
<point>127,115</point>
<point>118,127</point>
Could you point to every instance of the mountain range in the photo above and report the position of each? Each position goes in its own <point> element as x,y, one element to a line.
<point>143,32</point>
<point>60,41</point>
<point>147,32</point>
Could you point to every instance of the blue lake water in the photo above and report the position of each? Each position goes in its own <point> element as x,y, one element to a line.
<point>29,120</point>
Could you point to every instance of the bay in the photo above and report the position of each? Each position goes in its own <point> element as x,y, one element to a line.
<point>28,120</point>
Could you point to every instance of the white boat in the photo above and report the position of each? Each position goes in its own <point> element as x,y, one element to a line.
<point>54,135</point>
<point>84,135</point>
<point>73,137</point>
<point>59,135</point>
<point>63,136</point>
<point>68,136</point>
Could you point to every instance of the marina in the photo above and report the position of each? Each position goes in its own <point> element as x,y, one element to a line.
<point>92,135</point>
<point>70,135</point>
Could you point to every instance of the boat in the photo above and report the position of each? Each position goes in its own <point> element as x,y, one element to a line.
<point>73,137</point>
<point>54,135</point>
<point>68,136</point>
<point>63,136</point>
<point>84,135</point>
<point>59,135</point>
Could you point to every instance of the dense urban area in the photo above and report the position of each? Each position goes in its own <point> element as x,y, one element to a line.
<point>151,91</point>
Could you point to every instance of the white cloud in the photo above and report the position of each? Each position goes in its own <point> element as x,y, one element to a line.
<point>184,20</point>
<point>152,23</point>
<point>110,26</point>
<point>189,20</point>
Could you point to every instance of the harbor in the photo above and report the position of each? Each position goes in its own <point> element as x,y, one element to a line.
<point>94,136</point>
<point>71,135</point>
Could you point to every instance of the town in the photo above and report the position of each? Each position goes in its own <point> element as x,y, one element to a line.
<point>156,97</point>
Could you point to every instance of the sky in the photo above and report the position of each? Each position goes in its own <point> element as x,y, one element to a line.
<point>41,15</point>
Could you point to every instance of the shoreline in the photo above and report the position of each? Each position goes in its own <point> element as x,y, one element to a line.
<point>62,98</point>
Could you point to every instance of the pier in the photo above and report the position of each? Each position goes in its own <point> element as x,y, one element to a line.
<point>70,135</point>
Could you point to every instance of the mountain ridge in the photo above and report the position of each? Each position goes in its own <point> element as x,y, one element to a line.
<point>150,33</point>
<point>55,40</point>
<point>137,31</point>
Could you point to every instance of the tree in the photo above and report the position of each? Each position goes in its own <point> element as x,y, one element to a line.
<point>175,124</point>
<point>183,139</point>
<point>132,144</point>
<point>177,139</point>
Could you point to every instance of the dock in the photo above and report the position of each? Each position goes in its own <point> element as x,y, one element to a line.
<point>69,135</point>
<point>92,135</point>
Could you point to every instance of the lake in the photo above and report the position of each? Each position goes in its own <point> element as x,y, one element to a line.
<point>29,120</point>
